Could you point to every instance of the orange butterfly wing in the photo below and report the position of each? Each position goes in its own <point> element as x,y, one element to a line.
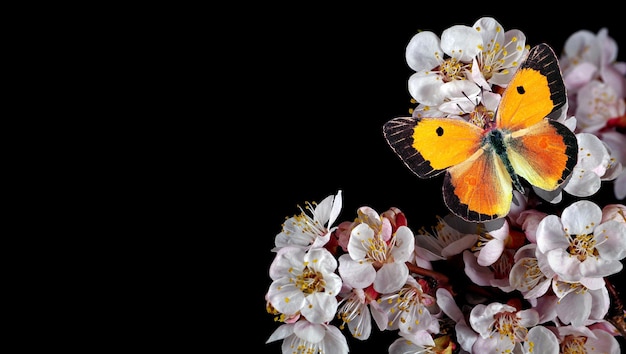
<point>542,151</point>
<point>479,189</point>
<point>428,146</point>
<point>535,91</point>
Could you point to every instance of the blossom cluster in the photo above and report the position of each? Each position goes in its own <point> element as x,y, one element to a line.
<point>535,281</point>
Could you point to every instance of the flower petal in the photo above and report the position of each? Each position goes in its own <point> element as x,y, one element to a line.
<point>390,277</point>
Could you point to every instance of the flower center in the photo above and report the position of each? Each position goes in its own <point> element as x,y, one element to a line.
<point>573,345</point>
<point>377,249</point>
<point>452,69</point>
<point>583,246</point>
<point>506,324</point>
<point>310,281</point>
<point>532,273</point>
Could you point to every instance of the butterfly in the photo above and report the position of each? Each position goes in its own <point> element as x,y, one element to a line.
<point>483,165</point>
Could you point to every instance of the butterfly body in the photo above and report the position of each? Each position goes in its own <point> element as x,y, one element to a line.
<point>498,141</point>
<point>483,164</point>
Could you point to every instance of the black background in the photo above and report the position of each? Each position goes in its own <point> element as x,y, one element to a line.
<point>315,86</point>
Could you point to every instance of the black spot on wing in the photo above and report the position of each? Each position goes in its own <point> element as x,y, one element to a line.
<point>542,58</point>
<point>398,133</point>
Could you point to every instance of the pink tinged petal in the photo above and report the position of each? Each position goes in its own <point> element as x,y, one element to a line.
<point>526,251</point>
<point>370,216</point>
<point>477,76</point>
<point>574,308</point>
<point>592,152</point>
<point>540,337</point>
<point>285,296</point>
<point>404,245</point>
<point>561,288</point>
<point>425,88</point>
<point>597,267</point>
<point>334,341</point>
<point>575,331</point>
<point>320,241</point>
<point>336,209</point>
<point>489,29</point>
<point>583,44</point>
<point>579,76</point>
<point>592,159</point>
<point>487,345</point>
<point>333,284</point>
<point>583,183</point>
<point>461,42</point>
<point>616,212</point>
<point>423,51</point>
<point>464,90</point>
<point>460,245</point>
<point>615,140</point>
<point>612,76</point>
<point>505,345</point>
<point>428,249</point>
<point>386,229</point>
<point>380,317</point>
<point>355,273</point>
<point>600,303</point>
<point>501,233</point>
<point>491,100</point>
<point>608,46</point>
<point>528,318</point>
<point>564,265</point>
<point>422,338</point>
<point>529,220</point>
<point>478,274</point>
<point>503,284</point>
<point>606,326</point>
<point>390,277</point>
<point>581,217</point>
<point>550,234</point>
<point>406,343</point>
<point>611,240</point>
<point>323,210</point>
<point>361,325</point>
<point>446,302</point>
<point>593,283</point>
<point>546,306</point>
<point>287,260</point>
<point>539,290</point>
<point>321,260</point>
<point>359,236</point>
<point>282,332</point>
<point>311,332</point>
<point>465,336</point>
<point>490,252</point>
<point>603,343</point>
<point>319,308</point>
